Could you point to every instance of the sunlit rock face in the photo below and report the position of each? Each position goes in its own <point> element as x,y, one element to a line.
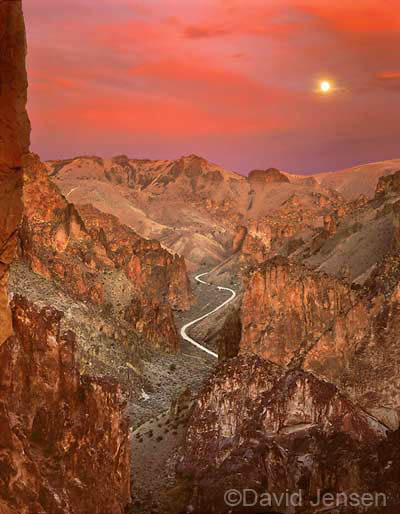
<point>14,123</point>
<point>257,425</point>
<point>286,306</point>
<point>54,240</point>
<point>14,141</point>
<point>300,318</point>
<point>64,445</point>
<point>76,247</point>
<point>144,261</point>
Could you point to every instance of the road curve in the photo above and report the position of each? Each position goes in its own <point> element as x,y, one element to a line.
<point>188,325</point>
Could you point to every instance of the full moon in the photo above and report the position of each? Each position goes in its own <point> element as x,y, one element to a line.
<point>325,86</point>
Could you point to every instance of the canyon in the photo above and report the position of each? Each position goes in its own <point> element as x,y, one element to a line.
<point>106,409</point>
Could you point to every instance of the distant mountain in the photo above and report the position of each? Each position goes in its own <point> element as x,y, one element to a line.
<point>362,179</point>
<point>193,207</point>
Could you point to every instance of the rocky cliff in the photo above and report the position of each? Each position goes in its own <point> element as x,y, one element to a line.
<point>64,444</point>
<point>151,268</point>
<point>64,440</point>
<point>300,318</point>
<point>287,306</point>
<point>14,141</point>
<point>258,426</point>
<point>285,228</point>
<point>388,184</point>
<point>77,247</point>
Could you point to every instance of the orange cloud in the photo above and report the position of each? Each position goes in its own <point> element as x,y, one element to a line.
<point>389,75</point>
<point>365,17</point>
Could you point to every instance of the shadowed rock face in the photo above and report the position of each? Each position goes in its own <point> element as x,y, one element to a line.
<point>14,141</point>
<point>262,177</point>
<point>388,184</point>
<point>230,335</point>
<point>64,445</point>
<point>259,426</point>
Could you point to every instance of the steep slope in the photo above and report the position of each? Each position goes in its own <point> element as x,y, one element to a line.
<point>14,141</point>
<point>65,445</point>
<point>80,250</point>
<point>259,427</point>
<point>193,207</point>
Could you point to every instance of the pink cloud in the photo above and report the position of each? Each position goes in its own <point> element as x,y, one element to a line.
<point>231,73</point>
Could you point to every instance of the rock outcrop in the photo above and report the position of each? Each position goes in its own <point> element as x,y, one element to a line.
<point>154,320</point>
<point>54,239</point>
<point>76,247</point>
<point>151,268</point>
<point>286,306</point>
<point>259,178</point>
<point>388,184</point>
<point>258,426</point>
<point>299,318</point>
<point>14,141</point>
<point>64,444</point>
<point>283,229</point>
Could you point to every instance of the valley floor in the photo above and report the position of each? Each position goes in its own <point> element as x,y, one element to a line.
<point>156,441</point>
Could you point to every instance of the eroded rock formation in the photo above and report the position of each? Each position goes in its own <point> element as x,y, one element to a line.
<point>296,317</point>
<point>259,178</point>
<point>75,247</point>
<point>388,184</point>
<point>258,426</point>
<point>285,306</point>
<point>151,268</point>
<point>64,441</point>
<point>282,230</point>
<point>14,141</point>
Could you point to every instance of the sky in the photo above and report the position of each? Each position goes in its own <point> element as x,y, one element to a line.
<point>234,81</point>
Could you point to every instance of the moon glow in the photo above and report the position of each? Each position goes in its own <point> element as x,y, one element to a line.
<point>325,86</point>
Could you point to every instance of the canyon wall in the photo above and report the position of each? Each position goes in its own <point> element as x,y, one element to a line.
<point>78,247</point>
<point>259,426</point>
<point>64,445</point>
<point>14,141</point>
<point>286,306</point>
<point>300,318</point>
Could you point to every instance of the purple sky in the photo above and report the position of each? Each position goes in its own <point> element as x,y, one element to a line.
<point>231,80</point>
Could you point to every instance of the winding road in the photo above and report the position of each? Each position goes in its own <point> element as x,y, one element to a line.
<point>191,323</point>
